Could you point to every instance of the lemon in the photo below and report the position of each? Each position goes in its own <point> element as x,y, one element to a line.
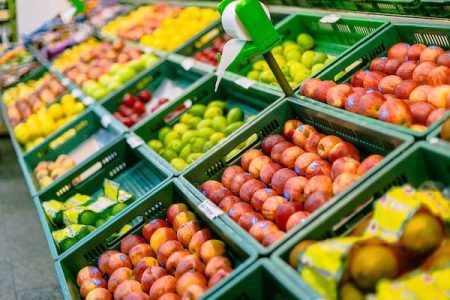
<point>56,111</point>
<point>48,127</point>
<point>21,133</point>
<point>422,234</point>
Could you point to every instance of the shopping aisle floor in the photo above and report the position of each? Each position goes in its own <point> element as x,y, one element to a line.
<point>26,268</point>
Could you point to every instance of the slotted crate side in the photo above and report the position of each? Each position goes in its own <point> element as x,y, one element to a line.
<point>154,206</point>
<point>377,46</point>
<point>136,173</point>
<point>403,7</point>
<point>368,139</point>
<point>260,281</point>
<point>169,68</point>
<point>252,101</point>
<point>337,39</point>
<point>419,163</point>
<point>436,8</point>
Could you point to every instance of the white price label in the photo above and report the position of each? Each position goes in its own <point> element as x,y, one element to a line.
<point>245,82</point>
<point>53,69</point>
<point>187,63</point>
<point>65,81</point>
<point>105,120</point>
<point>76,93</point>
<point>88,101</point>
<point>134,141</point>
<point>147,50</point>
<point>330,19</point>
<point>210,209</point>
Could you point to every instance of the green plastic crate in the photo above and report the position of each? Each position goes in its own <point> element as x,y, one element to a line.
<point>169,69</point>
<point>337,39</point>
<point>436,8</point>
<point>433,138</point>
<point>251,101</point>
<point>368,139</point>
<point>85,126</point>
<point>377,46</point>
<point>153,206</point>
<point>418,164</point>
<point>133,168</point>
<point>395,7</point>
<point>261,281</point>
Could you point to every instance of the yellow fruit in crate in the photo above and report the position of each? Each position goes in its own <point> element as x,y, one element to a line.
<point>21,133</point>
<point>60,123</point>
<point>48,127</point>
<point>38,141</point>
<point>34,128</point>
<point>69,109</point>
<point>29,145</point>
<point>56,111</point>
<point>67,99</point>
<point>79,107</point>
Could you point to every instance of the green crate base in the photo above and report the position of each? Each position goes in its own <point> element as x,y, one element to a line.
<point>420,163</point>
<point>436,8</point>
<point>251,101</point>
<point>377,46</point>
<point>134,169</point>
<point>369,140</point>
<point>153,206</point>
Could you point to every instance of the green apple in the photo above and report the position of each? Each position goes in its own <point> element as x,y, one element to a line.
<point>277,50</point>
<point>296,67</point>
<point>328,60</point>
<point>253,75</point>
<point>301,75</point>
<point>137,65</point>
<point>197,110</point>
<point>280,59</point>
<point>219,123</point>
<point>180,127</point>
<point>232,128</point>
<point>193,122</point>
<point>204,123</point>
<point>217,136</point>
<point>113,84</point>
<point>179,164</point>
<point>234,115</point>
<point>307,58</point>
<point>89,86</point>
<point>316,68</point>
<point>197,144</point>
<point>114,68</point>
<point>220,104</point>
<point>168,154</point>
<point>184,153</point>
<point>290,48</point>
<point>208,145</point>
<point>125,74</point>
<point>260,65</point>
<point>305,40</point>
<point>294,55</point>
<point>319,58</point>
<point>212,112</point>
<point>175,145</point>
<point>99,93</point>
<point>193,157</point>
<point>205,132</point>
<point>185,118</point>
<point>267,76</point>
<point>163,132</point>
<point>188,135</point>
<point>156,145</point>
<point>170,136</point>
<point>105,79</point>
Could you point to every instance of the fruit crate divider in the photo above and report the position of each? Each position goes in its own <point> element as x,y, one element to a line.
<point>434,136</point>
<point>203,92</point>
<point>420,162</point>
<point>154,205</point>
<point>366,138</point>
<point>374,47</point>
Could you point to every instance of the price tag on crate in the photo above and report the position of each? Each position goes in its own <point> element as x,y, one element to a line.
<point>88,101</point>
<point>134,141</point>
<point>210,209</point>
<point>330,19</point>
<point>76,93</point>
<point>105,120</point>
<point>187,63</point>
<point>245,82</point>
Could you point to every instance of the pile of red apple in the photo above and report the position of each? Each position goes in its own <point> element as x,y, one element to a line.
<point>209,55</point>
<point>173,259</point>
<point>132,109</point>
<point>410,87</point>
<point>276,188</point>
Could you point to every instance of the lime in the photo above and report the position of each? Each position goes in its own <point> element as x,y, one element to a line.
<point>168,154</point>
<point>232,127</point>
<point>118,208</point>
<point>197,110</point>
<point>217,136</point>
<point>234,115</point>
<point>219,123</point>
<point>175,145</point>
<point>205,132</point>
<point>180,128</point>
<point>156,145</point>
<point>197,144</point>
<point>319,58</point>
<point>208,145</point>
<point>170,136</point>
<point>88,218</point>
<point>179,164</point>
<point>204,123</point>
<point>307,58</point>
<point>163,132</point>
<point>193,157</point>
<point>188,136</point>
<point>220,104</point>
<point>193,122</point>
<point>184,153</point>
<point>212,112</point>
<point>305,40</point>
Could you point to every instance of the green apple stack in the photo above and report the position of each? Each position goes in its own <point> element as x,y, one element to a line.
<point>296,60</point>
<point>198,130</point>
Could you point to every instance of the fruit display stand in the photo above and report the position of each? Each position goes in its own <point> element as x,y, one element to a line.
<point>80,139</point>
<point>335,37</point>
<point>153,205</point>
<point>251,101</point>
<point>418,164</point>
<point>368,139</point>
<point>261,280</point>
<point>376,46</point>
<point>167,81</point>
<point>125,161</point>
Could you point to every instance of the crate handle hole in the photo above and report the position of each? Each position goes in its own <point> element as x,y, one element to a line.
<point>90,171</point>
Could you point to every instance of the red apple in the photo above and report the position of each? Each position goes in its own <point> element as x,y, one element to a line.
<point>249,188</point>
<point>139,107</point>
<point>337,95</point>
<point>302,133</point>
<point>238,209</point>
<point>150,275</point>
<point>320,90</point>
<point>217,263</point>
<point>278,149</point>
<point>343,149</point>
<point>406,69</point>
<point>174,210</point>
<point>388,84</point>
<point>358,78</point>
<point>129,100</point>
<point>372,80</point>
<point>209,186</point>
<point>343,181</point>
<point>272,238</point>
<point>217,195</point>
<point>270,141</point>
<point>415,51</point>
<point>228,202</point>
<point>399,51</point>
<point>436,115</point>
<point>326,144</point>
<point>308,86</point>
<point>289,127</point>
<point>395,111</point>
<point>392,65</point>
<point>257,164</point>
<point>284,212</point>
<point>229,174</point>
<point>431,53</point>
<point>352,102</point>
<point>267,172</point>
<point>143,265</point>
<point>378,64</point>
<point>260,196</point>
<point>296,219</point>
<point>190,263</point>
<point>261,229</point>
<point>420,111</point>
<point>420,74</point>
<point>289,156</point>
<point>303,161</point>
<point>238,181</point>
<point>103,261</point>
<point>293,189</point>
<point>129,242</point>
<point>318,183</point>
<point>248,219</point>
<point>280,178</point>
<point>418,127</point>
<point>420,93</point>
<point>368,163</point>
<point>316,200</point>
<point>271,205</point>
<point>444,59</point>
<point>439,76</point>
<point>370,103</point>
<point>318,167</point>
<point>344,165</point>
<point>404,89</point>
<point>145,96</point>
<point>248,156</point>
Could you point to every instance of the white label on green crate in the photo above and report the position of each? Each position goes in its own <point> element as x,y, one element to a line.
<point>88,101</point>
<point>330,19</point>
<point>244,82</point>
<point>105,120</point>
<point>134,141</point>
<point>187,63</point>
<point>76,93</point>
<point>210,209</point>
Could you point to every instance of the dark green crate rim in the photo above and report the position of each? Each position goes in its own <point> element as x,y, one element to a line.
<point>376,46</point>
<point>193,94</point>
<point>110,165</point>
<point>420,162</point>
<point>434,139</point>
<point>211,165</point>
<point>96,245</point>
